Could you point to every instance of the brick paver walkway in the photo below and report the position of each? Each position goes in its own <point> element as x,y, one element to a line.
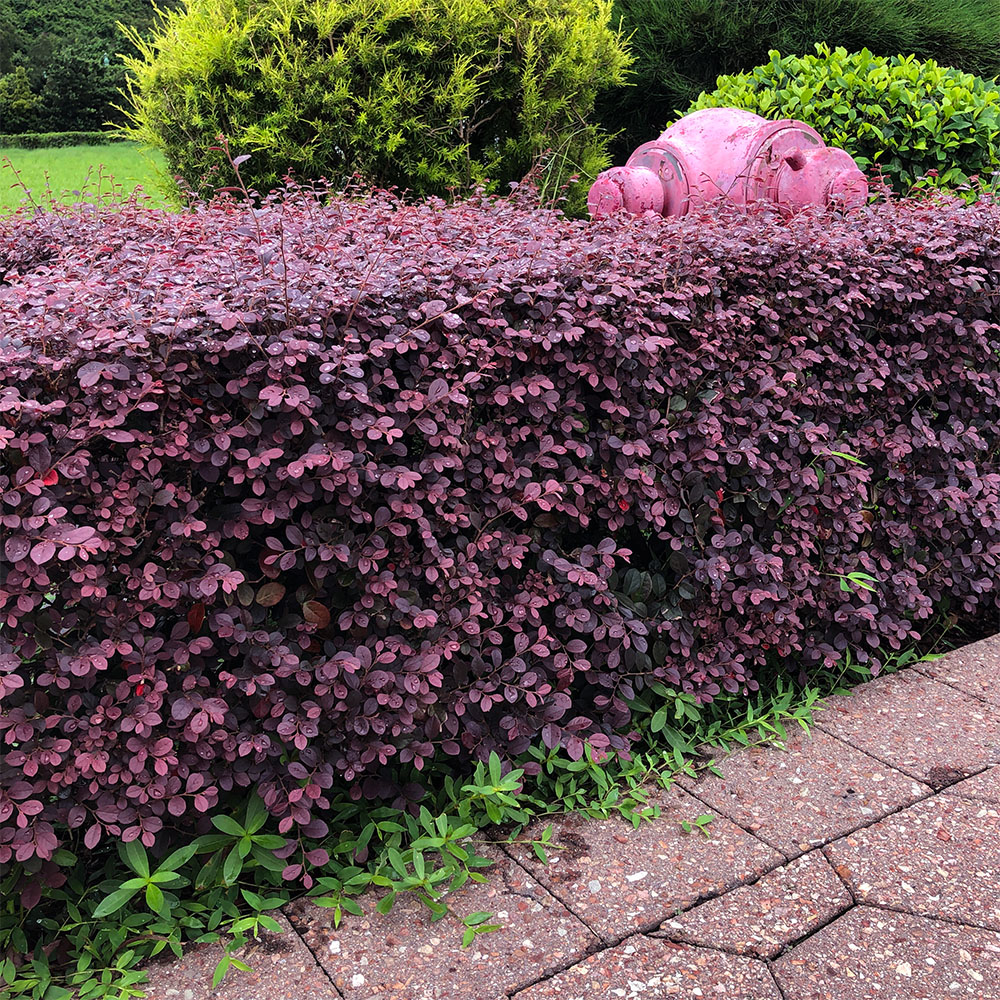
<point>860,862</point>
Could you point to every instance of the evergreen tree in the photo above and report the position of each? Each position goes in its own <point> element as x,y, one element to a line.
<point>60,68</point>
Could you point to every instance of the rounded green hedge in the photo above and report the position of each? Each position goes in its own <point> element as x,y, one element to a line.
<point>427,95</point>
<point>904,116</point>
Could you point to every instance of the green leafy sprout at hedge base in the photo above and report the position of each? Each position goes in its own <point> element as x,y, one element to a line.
<point>427,95</point>
<point>902,116</point>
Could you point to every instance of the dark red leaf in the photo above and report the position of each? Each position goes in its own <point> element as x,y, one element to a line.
<point>270,594</point>
<point>196,617</point>
<point>316,614</point>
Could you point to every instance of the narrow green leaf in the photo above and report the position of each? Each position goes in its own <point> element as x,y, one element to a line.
<point>252,898</point>
<point>228,825</point>
<point>659,720</point>
<point>154,897</point>
<point>135,858</point>
<point>397,862</point>
<point>850,458</point>
<point>177,859</point>
<point>495,769</point>
<point>220,970</point>
<point>256,814</point>
<point>269,841</point>
<point>232,867</point>
<point>113,903</point>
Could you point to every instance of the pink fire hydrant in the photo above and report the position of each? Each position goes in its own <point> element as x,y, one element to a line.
<point>727,152</point>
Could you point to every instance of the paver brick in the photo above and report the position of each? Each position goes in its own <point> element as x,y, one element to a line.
<point>870,954</point>
<point>984,786</point>
<point>643,968</point>
<point>973,669</point>
<point>761,919</point>
<point>404,955</point>
<point>539,933</point>
<point>799,798</point>
<point>619,879</point>
<point>917,725</point>
<point>281,965</point>
<point>939,858</point>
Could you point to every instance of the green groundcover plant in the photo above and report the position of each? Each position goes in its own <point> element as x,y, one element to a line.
<point>905,117</point>
<point>426,95</point>
<point>121,905</point>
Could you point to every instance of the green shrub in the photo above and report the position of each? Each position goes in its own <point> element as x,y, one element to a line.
<point>682,46</point>
<point>427,95</point>
<point>902,115</point>
<point>19,107</point>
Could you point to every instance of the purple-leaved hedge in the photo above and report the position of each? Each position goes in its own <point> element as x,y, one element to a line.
<point>293,496</point>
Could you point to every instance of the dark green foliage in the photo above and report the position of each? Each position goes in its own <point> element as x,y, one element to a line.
<point>89,22</point>
<point>68,52</point>
<point>20,108</point>
<point>76,90</point>
<point>51,140</point>
<point>10,42</point>
<point>900,115</point>
<point>682,46</point>
<point>427,95</point>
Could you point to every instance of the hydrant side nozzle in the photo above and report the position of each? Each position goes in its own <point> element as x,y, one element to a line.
<point>796,159</point>
<point>848,190</point>
<point>635,189</point>
<point>821,176</point>
<point>605,196</point>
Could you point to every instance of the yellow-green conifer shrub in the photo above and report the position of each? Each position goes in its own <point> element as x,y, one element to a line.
<point>426,95</point>
<point>905,116</point>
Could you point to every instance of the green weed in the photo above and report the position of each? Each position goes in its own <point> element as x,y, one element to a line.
<point>120,906</point>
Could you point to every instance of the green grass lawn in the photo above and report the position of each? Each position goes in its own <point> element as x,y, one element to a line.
<point>110,171</point>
